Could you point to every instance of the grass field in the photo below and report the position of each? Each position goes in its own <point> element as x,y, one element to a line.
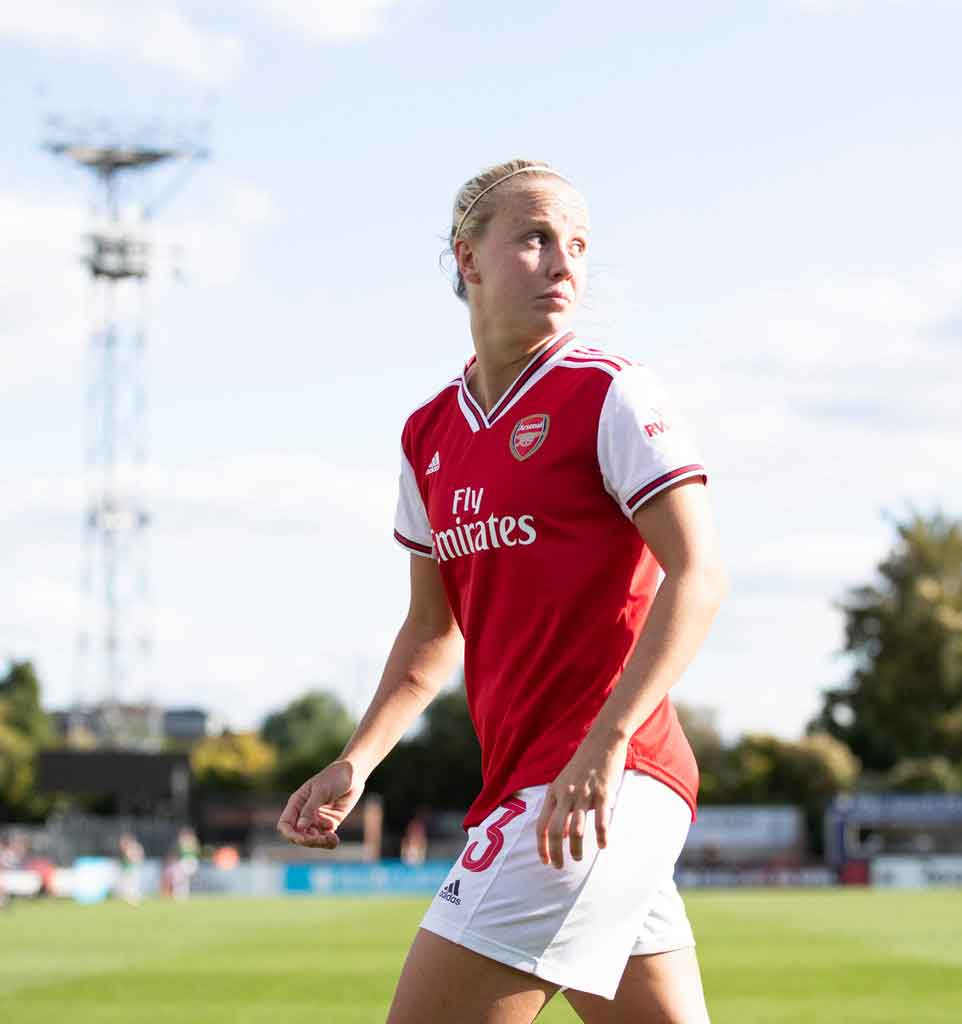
<point>767,957</point>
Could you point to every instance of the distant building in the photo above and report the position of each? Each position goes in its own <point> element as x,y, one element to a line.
<point>186,724</point>
<point>136,726</point>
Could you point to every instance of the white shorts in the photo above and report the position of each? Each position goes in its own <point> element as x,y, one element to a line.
<point>575,927</point>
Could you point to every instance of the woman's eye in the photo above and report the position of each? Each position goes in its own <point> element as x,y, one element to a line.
<point>578,247</point>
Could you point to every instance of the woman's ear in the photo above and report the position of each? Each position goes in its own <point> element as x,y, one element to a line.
<point>467,261</point>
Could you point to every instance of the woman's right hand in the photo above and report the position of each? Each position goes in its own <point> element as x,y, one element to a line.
<point>315,811</point>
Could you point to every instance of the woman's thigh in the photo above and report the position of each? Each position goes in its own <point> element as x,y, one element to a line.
<point>444,983</point>
<point>663,988</point>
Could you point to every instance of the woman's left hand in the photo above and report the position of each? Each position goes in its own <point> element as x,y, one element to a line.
<point>588,783</point>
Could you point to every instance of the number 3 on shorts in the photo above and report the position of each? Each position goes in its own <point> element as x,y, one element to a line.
<point>512,808</point>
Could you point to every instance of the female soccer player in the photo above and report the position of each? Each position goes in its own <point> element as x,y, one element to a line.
<point>545,494</point>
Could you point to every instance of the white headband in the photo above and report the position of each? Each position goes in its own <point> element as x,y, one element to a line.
<point>521,170</point>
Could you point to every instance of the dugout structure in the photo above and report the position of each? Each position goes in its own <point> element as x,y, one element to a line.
<point>862,827</point>
<point>740,836</point>
<point>148,796</point>
<point>139,782</point>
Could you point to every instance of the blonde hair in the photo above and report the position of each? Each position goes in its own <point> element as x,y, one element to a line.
<point>474,206</point>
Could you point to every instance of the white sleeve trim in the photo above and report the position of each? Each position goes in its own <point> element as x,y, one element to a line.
<point>412,529</point>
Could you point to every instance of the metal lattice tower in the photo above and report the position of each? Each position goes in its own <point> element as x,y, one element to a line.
<point>114,650</point>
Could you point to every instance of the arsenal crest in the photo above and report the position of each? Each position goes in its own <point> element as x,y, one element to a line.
<point>528,435</point>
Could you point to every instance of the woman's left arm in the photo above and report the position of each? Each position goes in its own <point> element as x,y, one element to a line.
<point>678,528</point>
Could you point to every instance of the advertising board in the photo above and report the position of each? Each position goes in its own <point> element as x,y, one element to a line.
<point>744,834</point>
<point>916,872</point>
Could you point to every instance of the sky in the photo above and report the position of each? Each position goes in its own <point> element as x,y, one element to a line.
<point>777,232</point>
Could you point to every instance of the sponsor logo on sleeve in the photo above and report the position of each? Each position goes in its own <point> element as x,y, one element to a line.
<point>660,425</point>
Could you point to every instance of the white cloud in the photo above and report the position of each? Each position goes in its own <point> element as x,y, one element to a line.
<point>157,34</point>
<point>202,253</point>
<point>271,490</point>
<point>842,389</point>
<point>858,322</point>
<point>45,599</point>
<point>279,491</point>
<point>252,205</point>
<point>43,325</point>
<point>328,19</point>
<point>262,567</point>
<point>830,7</point>
<point>818,555</point>
<point>766,661</point>
<point>847,6</point>
<point>46,299</point>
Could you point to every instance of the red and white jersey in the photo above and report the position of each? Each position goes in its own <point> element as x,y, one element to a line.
<point>528,511</point>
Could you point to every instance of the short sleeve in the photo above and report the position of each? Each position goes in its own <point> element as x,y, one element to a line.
<point>642,447</point>
<point>411,527</point>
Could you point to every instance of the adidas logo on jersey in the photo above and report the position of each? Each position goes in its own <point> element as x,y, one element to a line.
<point>450,892</point>
<point>434,465</point>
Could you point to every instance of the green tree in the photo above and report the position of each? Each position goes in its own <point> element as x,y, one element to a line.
<point>923,775</point>
<point>16,766</point>
<point>20,698</point>
<point>904,699</point>
<point>451,752</point>
<point>438,768</point>
<point>24,729</point>
<point>316,720</point>
<point>807,773</point>
<point>308,734</point>
<point>709,748</point>
<point>233,762</point>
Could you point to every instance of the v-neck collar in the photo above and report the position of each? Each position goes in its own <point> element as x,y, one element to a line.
<point>534,370</point>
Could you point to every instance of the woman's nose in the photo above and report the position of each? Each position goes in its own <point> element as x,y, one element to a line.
<point>561,263</point>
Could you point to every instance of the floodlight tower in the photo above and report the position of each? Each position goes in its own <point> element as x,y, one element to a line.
<point>113,651</point>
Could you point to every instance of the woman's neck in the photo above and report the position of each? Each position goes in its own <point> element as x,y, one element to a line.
<point>500,358</point>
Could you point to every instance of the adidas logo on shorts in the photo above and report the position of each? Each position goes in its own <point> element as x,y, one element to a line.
<point>450,892</point>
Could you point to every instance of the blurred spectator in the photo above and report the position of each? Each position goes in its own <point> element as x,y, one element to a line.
<point>13,852</point>
<point>131,859</point>
<point>45,869</point>
<point>182,866</point>
<point>5,865</point>
<point>414,843</point>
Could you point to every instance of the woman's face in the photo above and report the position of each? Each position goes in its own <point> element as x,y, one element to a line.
<point>527,272</point>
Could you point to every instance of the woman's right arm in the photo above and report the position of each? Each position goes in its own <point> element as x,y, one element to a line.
<point>424,655</point>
